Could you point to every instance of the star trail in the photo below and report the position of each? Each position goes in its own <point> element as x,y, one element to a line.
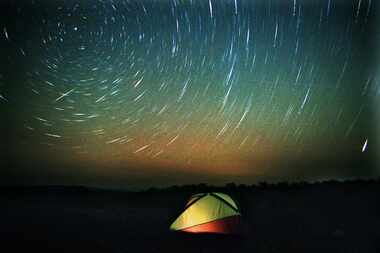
<point>166,92</point>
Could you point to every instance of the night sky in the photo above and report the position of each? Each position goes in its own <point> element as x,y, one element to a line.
<point>146,93</point>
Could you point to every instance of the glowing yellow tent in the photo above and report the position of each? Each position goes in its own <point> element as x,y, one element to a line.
<point>209,213</point>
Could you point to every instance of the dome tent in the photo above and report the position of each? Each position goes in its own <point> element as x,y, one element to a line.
<point>209,213</point>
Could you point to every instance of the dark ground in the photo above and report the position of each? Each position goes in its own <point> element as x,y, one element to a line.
<point>323,217</point>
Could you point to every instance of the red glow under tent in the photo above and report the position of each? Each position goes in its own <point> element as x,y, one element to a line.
<point>209,213</point>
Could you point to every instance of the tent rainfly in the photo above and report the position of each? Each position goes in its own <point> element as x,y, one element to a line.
<point>209,213</point>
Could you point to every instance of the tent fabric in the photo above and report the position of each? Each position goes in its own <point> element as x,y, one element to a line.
<point>227,199</point>
<point>193,198</point>
<point>206,208</point>
<point>226,225</point>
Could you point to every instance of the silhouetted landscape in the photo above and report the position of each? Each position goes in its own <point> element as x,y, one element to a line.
<point>298,217</point>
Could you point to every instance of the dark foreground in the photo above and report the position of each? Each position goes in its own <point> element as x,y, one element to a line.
<point>327,217</point>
